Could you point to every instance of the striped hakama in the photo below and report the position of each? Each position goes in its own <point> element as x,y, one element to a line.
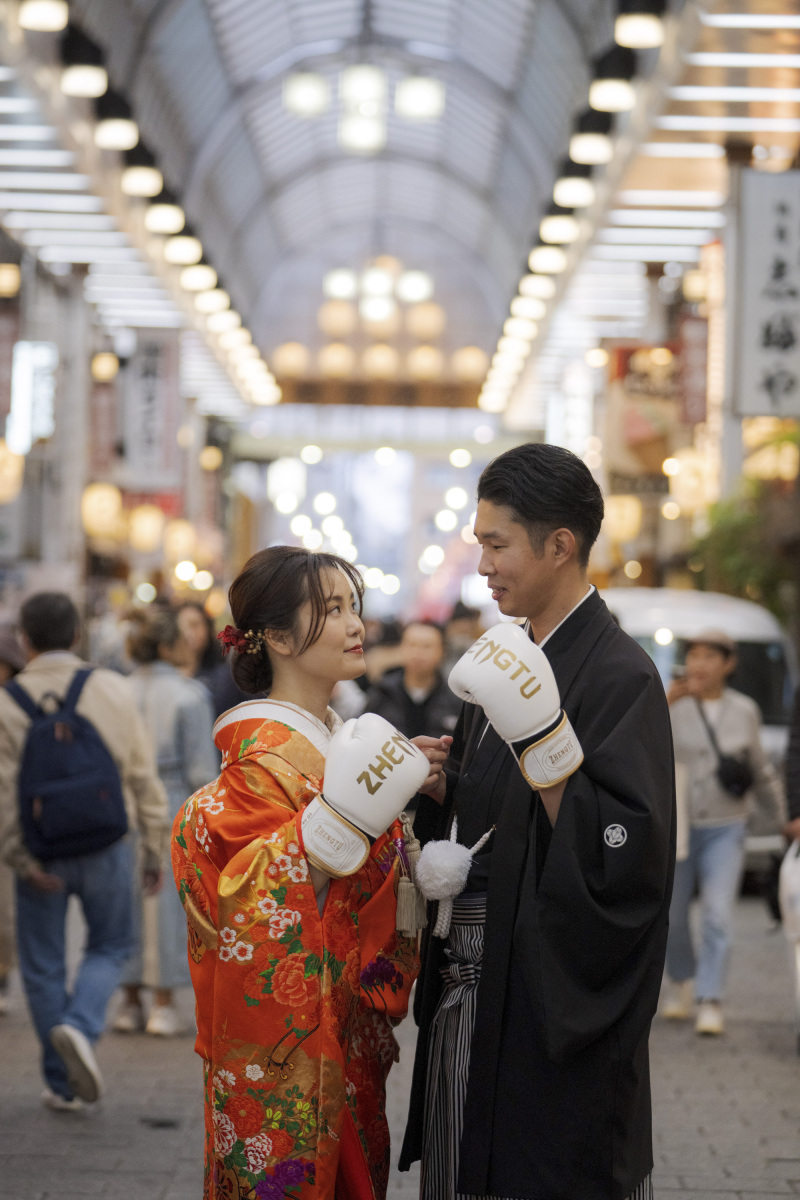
<point>448,1060</point>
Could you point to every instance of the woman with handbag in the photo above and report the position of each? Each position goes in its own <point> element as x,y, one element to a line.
<point>716,735</point>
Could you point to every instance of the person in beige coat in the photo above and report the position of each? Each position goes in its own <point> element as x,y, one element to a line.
<point>67,1024</point>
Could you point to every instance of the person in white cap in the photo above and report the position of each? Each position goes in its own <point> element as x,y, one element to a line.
<point>716,733</point>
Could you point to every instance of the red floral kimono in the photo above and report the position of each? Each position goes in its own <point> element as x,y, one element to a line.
<point>294,1009</point>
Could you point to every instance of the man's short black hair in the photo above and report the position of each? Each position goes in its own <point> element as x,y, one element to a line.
<point>547,488</point>
<point>49,621</point>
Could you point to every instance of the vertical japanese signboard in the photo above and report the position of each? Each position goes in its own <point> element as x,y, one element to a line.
<point>152,415</point>
<point>767,334</point>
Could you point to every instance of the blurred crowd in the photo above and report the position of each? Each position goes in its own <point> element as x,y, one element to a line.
<point>159,681</point>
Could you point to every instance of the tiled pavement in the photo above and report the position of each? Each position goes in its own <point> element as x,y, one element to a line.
<point>727,1112</point>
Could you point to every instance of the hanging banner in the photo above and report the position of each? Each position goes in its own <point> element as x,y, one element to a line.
<point>152,408</point>
<point>766,380</point>
<point>693,366</point>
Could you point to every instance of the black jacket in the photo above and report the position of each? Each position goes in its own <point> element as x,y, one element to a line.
<point>435,716</point>
<point>558,1095</point>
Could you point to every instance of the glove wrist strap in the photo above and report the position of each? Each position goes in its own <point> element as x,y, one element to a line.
<point>331,842</point>
<point>553,757</point>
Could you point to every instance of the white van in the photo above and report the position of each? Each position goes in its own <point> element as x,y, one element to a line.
<point>662,619</point>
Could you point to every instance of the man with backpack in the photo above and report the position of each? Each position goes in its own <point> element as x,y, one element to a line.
<point>76,775</point>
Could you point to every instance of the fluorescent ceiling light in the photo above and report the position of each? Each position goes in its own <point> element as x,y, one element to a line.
<point>44,16</point>
<point>141,181</point>
<point>144,288</point>
<point>164,218</point>
<point>74,237</point>
<point>46,220</point>
<point>84,79</point>
<point>86,254</point>
<point>750,20</point>
<point>682,150</point>
<point>36,158</point>
<point>16,104</point>
<point>340,284</point>
<point>573,191</point>
<point>413,287</point>
<point>558,229</point>
<point>612,95</point>
<point>362,84</point>
<point>746,95</point>
<point>42,202</point>
<point>419,98</point>
<point>724,58</point>
<point>116,133</point>
<point>639,30</point>
<point>127,269</point>
<point>648,253</point>
<point>306,94</point>
<point>591,149</point>
<point>731,124</point>
<point>143,320</point>
<point>27,133</point>
<point>362,135</point>
<point>685,218</point>
<point>667,237</point>
<point>66,182</point>
<point>659,196</point>
<point>549,260</point>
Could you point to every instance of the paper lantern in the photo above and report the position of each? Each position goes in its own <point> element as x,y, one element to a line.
<point>101,509</point>
<point>146,528</point>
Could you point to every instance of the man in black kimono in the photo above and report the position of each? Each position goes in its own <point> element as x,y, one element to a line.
<point>532,1076</point>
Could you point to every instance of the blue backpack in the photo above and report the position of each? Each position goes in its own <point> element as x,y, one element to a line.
<point>70,792</point>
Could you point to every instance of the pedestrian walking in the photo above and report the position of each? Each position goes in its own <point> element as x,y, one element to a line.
<point>177,715</point>
<point>12,660</point>
<point>717,744</point>
<point>299,969</point>
<point>552,838</point>
<point>76,773</point>
<point>415,696</point>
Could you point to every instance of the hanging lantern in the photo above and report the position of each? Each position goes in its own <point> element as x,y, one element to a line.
<point>180,540</point>
<point>146,528</point>
<point>623,518</point>
<point>12,470</point>
<point>101,509</point>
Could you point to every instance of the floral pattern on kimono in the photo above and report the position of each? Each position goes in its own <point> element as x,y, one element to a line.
<point>294,1009</point>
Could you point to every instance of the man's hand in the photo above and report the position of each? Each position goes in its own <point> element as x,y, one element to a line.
<point>679,688</point>
<point>43,881</point>
<point>791,831</point>
<point>437,751</point>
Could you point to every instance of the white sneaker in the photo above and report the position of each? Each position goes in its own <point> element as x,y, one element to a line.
<point>678,998</point>
<point>709,1018</point>
<point>164,1021</point>
<point>129,1019</point>
<point>56,1103</point>
<point>82,1070</point>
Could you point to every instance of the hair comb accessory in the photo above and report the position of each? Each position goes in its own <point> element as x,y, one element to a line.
<point>232,639</point>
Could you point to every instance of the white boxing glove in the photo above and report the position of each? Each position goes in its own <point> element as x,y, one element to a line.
<point>509,677</point>
<point>371,772</point>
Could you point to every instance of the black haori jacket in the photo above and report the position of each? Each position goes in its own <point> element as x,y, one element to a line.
<point>558,1096</point>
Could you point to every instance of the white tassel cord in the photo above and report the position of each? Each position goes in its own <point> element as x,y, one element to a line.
<point>442,872</point>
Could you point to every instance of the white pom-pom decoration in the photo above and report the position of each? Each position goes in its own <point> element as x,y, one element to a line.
<point>441,874</point>
<point>442,870</point>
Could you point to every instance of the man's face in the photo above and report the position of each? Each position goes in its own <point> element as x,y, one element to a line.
<point>522,583</point>
<point>422,649</point>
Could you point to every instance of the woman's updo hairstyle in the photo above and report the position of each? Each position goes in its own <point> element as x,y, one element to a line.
<point>148,631</point>
<point>269,592</point>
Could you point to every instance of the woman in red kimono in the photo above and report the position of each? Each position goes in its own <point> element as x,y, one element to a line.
<point>298,977</point>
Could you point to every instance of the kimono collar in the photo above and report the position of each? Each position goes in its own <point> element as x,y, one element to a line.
<point>570,644</point>
<point>253,713</point>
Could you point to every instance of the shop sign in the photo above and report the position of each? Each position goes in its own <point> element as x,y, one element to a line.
<point>33,389</point>
<point>693,358</point>
<point>152,416</point>
<point>638,485</point>
<point>767,338</point>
